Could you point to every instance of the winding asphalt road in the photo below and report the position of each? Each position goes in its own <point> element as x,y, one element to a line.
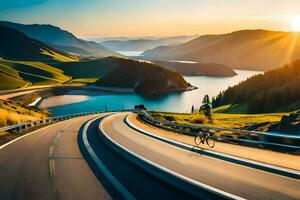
<point>48,165</point>
<point>239,180</point>
<point>54,163</point>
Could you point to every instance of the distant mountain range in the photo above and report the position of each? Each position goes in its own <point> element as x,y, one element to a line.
<point>61,40</point>
<point>29,62</point>
<point>248,49</point>
<point>15,45</point>
<point>144,43</point>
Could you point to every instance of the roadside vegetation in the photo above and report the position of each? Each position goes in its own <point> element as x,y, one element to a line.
<point>14,112</point>
<point>222,120</point>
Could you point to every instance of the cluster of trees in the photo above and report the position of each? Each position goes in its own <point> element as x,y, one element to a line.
<point>205,108</point>
<point>275,90</point>
<point>144,77</point>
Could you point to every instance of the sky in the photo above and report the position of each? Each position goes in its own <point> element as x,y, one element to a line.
<point>113,18</point>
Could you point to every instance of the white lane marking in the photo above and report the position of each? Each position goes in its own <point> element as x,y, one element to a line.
<point>51,150</point>
<point>180,176</point>
<point>51,153</point>
<point>52,168</point>
<point>292,171</point>
<point>125,193</point>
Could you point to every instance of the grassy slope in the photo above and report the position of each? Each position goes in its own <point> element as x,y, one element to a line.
<point>88,70</point>
<point>20,73</point>
<point>13,113</point>
<point>220,119</point>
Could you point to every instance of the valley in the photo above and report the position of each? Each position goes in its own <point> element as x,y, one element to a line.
<point>146,100</point>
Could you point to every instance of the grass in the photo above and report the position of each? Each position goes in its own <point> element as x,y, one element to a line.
<point>83,80</point>
<point>222,120</point>
<point>19,74</point>
<point>231,109</point>
<point>90,69</point>
<point>58,57</point>
<point>15,112</point>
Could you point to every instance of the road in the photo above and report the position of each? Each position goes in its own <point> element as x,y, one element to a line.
<point>55,163</point>
<point>236,179</point>
<point>48,165</point>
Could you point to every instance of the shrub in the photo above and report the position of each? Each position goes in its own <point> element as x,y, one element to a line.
<point>198,120</point>
<point>170,118</point>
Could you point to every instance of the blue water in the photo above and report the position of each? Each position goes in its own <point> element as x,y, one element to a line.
<point>175,102</point>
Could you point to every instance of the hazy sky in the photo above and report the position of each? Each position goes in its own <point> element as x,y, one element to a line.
<point>92,18</point>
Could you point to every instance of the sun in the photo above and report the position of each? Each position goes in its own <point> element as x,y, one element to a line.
<point>295,24</point>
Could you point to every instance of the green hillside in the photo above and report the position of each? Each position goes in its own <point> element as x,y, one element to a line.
<point>274,91</point>
<point>89,69</point>
<point>144,77</point>
<point>28,62</point>
<point>18,74</point>
<point>14,45</point>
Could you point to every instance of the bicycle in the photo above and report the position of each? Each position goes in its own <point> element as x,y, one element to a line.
<point>203,137</point>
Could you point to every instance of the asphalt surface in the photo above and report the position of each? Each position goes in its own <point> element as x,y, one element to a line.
<point>138,182</point>
<point>53,163</point>
<point>48,165</point>
<point>236,179</point>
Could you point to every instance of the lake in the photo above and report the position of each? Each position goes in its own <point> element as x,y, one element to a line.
<point>173,102</point>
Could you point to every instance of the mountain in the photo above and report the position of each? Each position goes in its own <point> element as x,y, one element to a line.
<point>198,69</point>
<point>248,49</point>
<point>144,77</point>
<point>14,45</point>
<point>144,44</point>
<point>61,40</point>
<point>274,91</point>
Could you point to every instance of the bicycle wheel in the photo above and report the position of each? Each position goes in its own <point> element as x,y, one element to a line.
<point>210,142</point>
<point>197,140</point>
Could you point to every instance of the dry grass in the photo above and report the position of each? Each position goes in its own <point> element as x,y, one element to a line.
<point>15,112</point>
<point>219,119</point>
<point>8,118</point>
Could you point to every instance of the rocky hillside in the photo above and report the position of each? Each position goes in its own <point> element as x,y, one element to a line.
<point>248,49</point>
<point>144,77</point>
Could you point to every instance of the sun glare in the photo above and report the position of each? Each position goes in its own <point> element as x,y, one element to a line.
<point>295,24</point>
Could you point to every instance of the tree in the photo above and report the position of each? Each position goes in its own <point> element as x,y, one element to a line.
<point>206,108</point>
<point>193,109</point>
<point>206,100</point>
<point>217,101</point>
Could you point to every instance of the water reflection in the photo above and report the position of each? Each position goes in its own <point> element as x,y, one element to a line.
<point>175,102</point>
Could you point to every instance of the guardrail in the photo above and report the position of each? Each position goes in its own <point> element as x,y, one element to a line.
<point>18,128</point>
<point>263,139</point>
